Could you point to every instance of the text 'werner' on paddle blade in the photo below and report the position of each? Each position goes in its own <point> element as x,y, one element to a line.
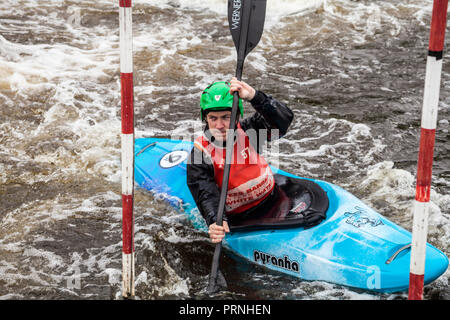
<point>246,19</point>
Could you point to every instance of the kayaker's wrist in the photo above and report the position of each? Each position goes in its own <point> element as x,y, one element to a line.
<point>258,98</point>
<point>212,218</point>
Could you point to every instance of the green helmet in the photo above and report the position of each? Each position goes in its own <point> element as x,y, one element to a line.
<point>217,97</point>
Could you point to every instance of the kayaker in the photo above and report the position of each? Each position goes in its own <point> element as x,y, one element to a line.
<point>251,181</point>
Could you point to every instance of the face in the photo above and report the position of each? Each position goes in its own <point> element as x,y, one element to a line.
<point>219,123</point>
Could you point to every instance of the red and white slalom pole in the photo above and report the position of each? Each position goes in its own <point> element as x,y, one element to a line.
<point>127,137</point>
<point>426,149</point>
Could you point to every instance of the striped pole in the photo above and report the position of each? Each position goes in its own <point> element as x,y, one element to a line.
<point>426,148</point>
<point>127,137</point>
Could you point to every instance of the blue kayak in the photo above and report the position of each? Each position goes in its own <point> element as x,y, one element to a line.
<point>353,245</point>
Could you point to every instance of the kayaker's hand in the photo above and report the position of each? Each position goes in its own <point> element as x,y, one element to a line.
<point>246,92</point>
<point>217,233</point>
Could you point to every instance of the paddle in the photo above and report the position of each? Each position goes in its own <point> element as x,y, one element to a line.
<point>246,22</point>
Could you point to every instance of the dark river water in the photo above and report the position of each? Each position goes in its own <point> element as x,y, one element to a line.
<point>352,72</point>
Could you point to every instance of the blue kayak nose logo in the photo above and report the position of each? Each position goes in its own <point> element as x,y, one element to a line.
<point>173,158</point>
<point>360,218</point>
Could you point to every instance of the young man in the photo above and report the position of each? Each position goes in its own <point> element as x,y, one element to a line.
<point>251,181</point>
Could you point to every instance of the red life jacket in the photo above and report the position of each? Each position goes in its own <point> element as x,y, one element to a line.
<point>251,179</point>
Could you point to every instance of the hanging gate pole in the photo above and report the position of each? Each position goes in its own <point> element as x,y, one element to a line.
<point>127,139</point>
<point>426,149</point>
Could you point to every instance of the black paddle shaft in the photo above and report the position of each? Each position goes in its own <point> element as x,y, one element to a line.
<point>246,21</point>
